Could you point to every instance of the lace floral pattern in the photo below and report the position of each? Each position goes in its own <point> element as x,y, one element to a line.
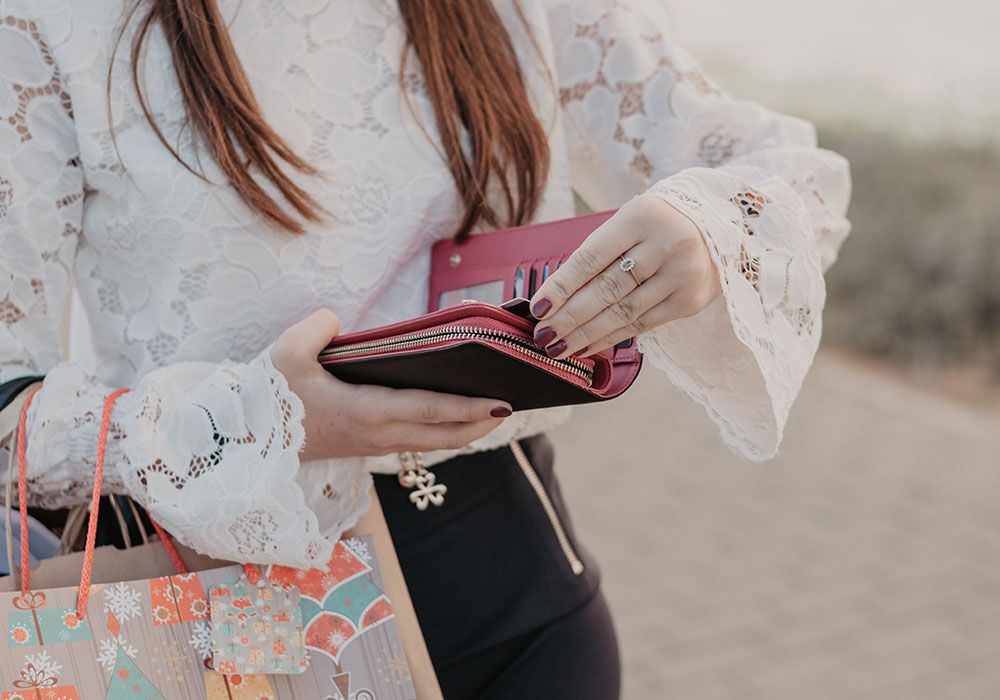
<point>770,204</point>
<point>185,288</point>
<point>184,435</point>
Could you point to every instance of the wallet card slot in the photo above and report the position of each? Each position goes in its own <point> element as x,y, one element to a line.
<point>518,292</point>
<point>538,276</point>
<point>552,264</point>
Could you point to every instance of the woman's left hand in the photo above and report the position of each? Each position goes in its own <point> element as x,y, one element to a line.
<point>591,303</point>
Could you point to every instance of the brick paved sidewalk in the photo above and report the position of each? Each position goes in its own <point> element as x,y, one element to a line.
<point>864,562</point>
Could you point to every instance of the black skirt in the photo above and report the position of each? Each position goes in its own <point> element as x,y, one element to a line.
<point>508,600</point>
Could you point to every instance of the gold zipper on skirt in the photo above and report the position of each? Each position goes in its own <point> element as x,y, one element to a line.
<point>536,484</point>
<point>416,340</point>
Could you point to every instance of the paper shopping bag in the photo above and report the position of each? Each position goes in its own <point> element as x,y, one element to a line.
<point>150,638</point>
<point>369,537</point>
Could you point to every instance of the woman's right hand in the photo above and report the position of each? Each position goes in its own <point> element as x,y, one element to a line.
<point>351,420</point>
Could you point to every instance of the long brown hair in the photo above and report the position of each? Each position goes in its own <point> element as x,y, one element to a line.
<point>473,80</point>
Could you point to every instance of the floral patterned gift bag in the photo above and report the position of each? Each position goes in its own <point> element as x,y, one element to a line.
<point>152,639</point>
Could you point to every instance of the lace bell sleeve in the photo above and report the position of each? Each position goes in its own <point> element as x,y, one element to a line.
<point>210,449</point>
<point>771,206</point>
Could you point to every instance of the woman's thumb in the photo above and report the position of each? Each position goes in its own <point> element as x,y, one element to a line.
<point>308,337</point>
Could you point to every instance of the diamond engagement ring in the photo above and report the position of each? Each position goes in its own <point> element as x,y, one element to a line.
<point>628,265</point>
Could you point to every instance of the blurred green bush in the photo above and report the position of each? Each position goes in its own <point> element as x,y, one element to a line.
<point>918,281</point>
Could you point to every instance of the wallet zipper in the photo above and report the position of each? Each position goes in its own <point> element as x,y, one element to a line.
<point>550,511</point>
<point>416,340</point>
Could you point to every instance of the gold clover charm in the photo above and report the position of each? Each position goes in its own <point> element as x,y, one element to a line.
<point>415,475</point>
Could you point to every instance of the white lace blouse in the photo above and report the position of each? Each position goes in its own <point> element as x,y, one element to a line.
<point>185,288</point>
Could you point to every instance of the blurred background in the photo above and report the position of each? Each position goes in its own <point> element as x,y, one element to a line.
<point>863,562</point>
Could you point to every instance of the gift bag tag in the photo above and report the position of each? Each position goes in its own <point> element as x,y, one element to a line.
<point>256,627</point>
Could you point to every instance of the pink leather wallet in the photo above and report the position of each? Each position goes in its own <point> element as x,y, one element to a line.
<point>507,264</point>
<point>477,339</point>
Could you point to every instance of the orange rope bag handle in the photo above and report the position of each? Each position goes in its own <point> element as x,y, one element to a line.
<point>83,592</point>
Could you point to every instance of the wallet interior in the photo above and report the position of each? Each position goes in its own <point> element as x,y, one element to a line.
<point>467,369</point>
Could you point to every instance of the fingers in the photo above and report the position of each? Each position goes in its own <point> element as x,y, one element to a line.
<point>407,437</point>
<point>308,337</point>
<point>613,290</point>
<point>413,419</point>
<point>671,309</point>
<point>429,407</point>
<point>620,317</point>
<point>596,253</point>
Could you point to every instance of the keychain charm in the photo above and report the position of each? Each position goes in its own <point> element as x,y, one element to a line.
<point>414,474</point>
<point>256,627</point>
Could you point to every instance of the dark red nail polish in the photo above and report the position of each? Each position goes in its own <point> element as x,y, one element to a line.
<point>500,412</point>
<point>544,335</point>
<point>582,352</point>
<point>541,307</point>
<point>556,349</point>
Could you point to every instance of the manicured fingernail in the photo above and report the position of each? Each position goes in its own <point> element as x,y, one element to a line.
<point>544,335</point>
<point>556,349</point>
<point>541,307</point>
<point>582,352</point>
<point>500,412</point>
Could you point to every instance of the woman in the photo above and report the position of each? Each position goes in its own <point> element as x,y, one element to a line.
<point>232,182</point>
